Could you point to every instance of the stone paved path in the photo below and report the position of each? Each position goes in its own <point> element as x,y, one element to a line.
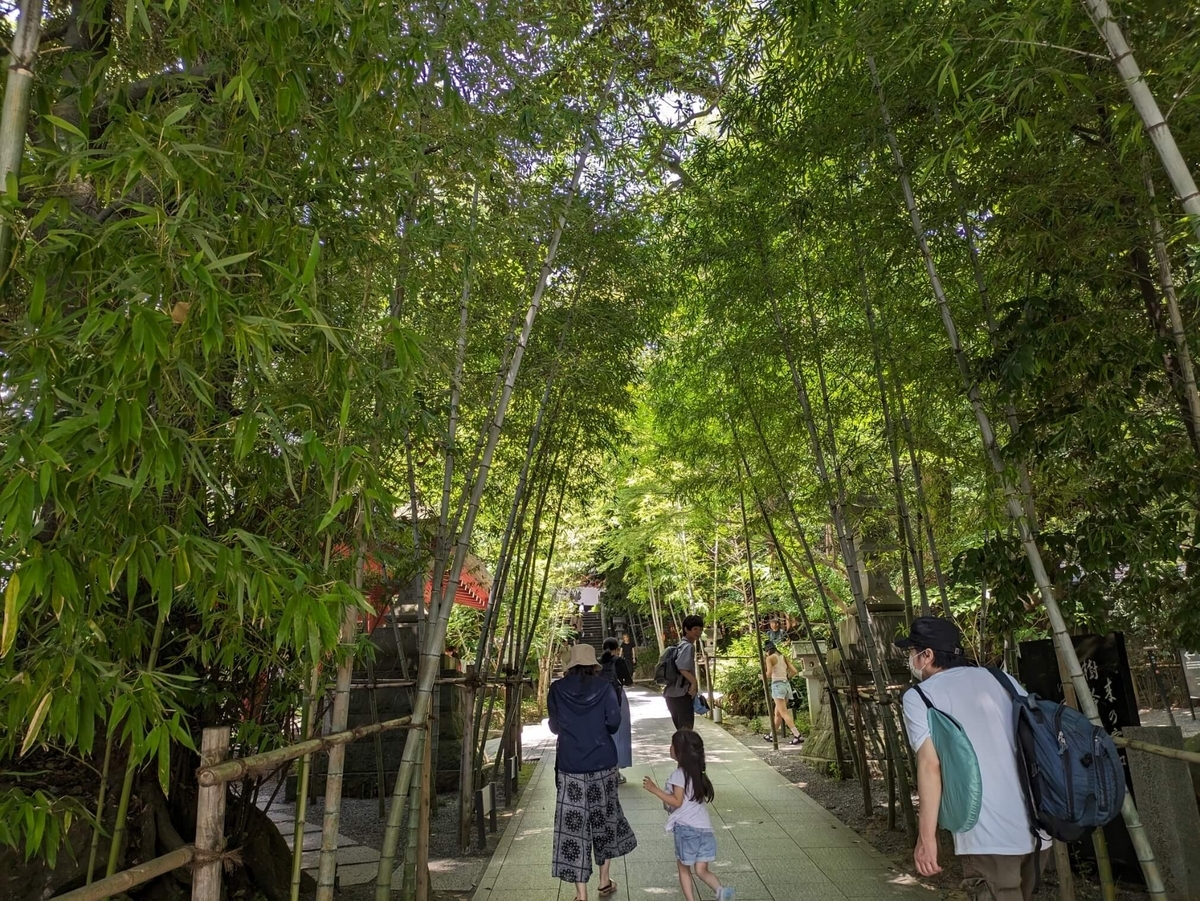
<point>774,842</point>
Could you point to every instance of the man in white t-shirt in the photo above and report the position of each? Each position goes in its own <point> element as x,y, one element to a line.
<point>997,853</point>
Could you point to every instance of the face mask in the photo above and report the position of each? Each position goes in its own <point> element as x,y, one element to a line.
<point>912,668</point>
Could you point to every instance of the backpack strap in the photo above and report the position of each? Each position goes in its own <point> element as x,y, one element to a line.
<point>1003,679</point>
<point>1030,809</point>
<point>924,697</point>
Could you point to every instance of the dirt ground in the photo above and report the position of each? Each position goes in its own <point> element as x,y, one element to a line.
<point>844,799</point>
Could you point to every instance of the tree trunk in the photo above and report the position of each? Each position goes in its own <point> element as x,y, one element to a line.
<point>1062,637</point>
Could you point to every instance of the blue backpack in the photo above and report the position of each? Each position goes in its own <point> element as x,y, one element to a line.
<point>1072,777</point>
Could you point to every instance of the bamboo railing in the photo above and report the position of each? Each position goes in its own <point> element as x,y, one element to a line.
<point>133,877</point>
<point>241,767</point>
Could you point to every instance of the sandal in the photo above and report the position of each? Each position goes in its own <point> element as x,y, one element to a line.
<point>798,740</point>
<point>610,889</point>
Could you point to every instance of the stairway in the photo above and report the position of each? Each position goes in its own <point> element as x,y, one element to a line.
<point>593,630</point>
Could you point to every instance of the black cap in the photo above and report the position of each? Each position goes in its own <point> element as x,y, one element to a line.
<point>934,633</point>
<point>769,646</point>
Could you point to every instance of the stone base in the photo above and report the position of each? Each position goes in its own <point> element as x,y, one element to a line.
<point>1167,805</point>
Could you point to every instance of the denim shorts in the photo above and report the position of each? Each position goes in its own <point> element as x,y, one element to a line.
<point>694,845</point>
<point>781,690</point>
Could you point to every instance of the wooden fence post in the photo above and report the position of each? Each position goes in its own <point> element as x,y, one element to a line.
<point>210,818</point>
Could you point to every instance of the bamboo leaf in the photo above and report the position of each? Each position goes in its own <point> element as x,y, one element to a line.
<point>35,724</point>
<point>8,631</point>
<point>310,265</point>
<point>66,126</point>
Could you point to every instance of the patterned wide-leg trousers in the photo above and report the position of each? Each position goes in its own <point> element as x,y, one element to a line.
<point>588,821</point>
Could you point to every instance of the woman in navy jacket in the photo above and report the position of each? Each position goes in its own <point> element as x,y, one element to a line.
<point>585,714</point>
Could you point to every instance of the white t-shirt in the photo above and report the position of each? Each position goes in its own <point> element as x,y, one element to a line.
<point>984,709</point>
<point>692,813</point>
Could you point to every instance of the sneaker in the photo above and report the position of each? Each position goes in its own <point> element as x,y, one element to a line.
<point>726,893</point>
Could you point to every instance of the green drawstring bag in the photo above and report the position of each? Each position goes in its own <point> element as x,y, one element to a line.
<point>962,787</point>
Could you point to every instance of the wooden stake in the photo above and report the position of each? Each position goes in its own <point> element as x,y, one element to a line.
<point>210,817</point>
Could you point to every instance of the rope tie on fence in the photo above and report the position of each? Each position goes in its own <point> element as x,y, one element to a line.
<point>229,860</point>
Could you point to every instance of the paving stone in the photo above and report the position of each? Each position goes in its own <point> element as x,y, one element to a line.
<point>356,874</point>
<point>348,855</point>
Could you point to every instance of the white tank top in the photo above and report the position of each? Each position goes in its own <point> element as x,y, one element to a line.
<point>779,669</point>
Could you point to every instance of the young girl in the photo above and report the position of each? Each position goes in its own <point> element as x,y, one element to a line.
<point>685,794</point>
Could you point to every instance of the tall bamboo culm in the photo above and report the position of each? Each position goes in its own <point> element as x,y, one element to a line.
<point>850,558</point>
<point>889,434</point>
<point>762,661</point>
<point>1167,283</point>
<point>15,116</point>
<point>339,717</point>
<point>1147,108</point>
<point>1062,637</point>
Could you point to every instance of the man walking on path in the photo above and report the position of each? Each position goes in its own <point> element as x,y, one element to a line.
<point>680,696</point>
<point>997,853</point>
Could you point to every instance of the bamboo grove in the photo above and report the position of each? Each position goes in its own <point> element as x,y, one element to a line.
<point>291,287</point>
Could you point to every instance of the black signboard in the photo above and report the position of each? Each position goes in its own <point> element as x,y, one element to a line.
<point>1191,672</point>
<point>1106,668</point>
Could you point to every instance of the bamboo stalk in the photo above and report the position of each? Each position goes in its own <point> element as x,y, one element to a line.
<point>837,710</point>
<point>809,556</point>
<point>335,769</point>
<point>1137,833</point>
<point>1167,280</point>
<point>436,638</point>
<point>114,852</point>
<point>422,861</point>
<point>655,614</point>
<point>890,436</point>
<point>210,818</point>
<point>373,701</point>
<point>307,723</point>
<point>131,878</point>
<point>1174,753</point>
<point>517,511</point>
<point>762,662</point>
<point>101,796</point>
<point>466,768</point>
<point>849,556</point>
<point>15,115</point>
<point>1147,108</point>
<point>241,767</point>
<point>985,298</point>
